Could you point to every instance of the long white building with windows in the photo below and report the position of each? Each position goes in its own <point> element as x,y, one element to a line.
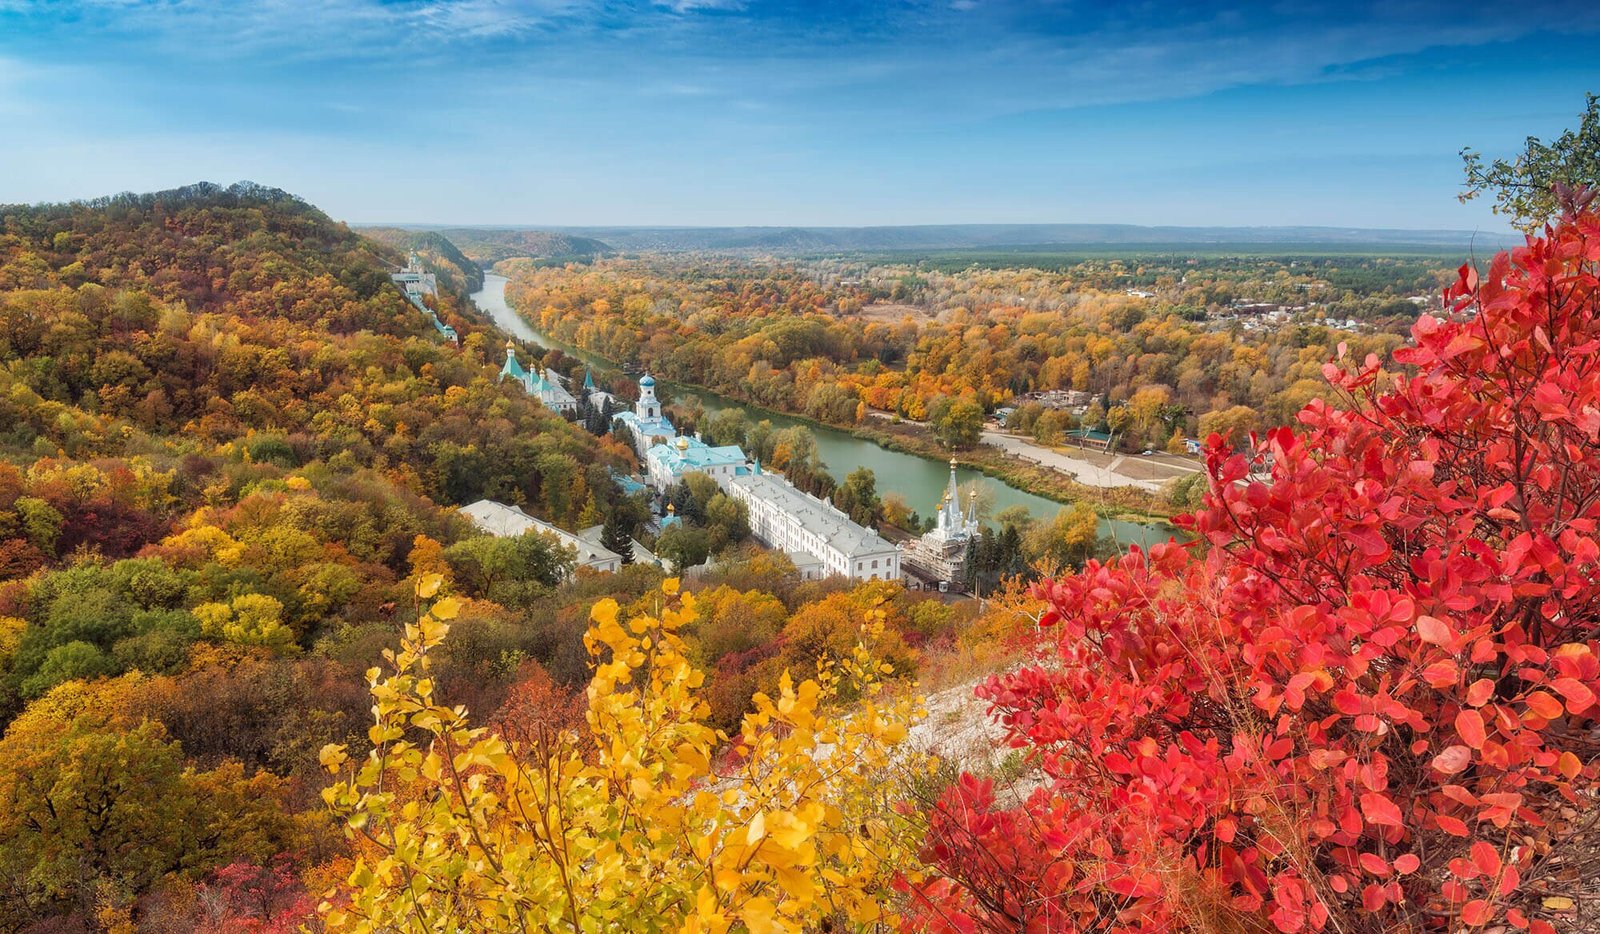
<point>787,519</point>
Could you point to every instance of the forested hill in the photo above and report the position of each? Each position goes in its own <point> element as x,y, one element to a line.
<point>203,245</point>
<point>488,246</point>
<point>226,440</point>
<point>211,316</point>
<point>454,268</point>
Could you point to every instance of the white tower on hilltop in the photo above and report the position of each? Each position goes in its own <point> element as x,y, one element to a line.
<point>647,408</point>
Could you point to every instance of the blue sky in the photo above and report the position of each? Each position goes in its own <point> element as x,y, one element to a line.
<point>695,112</point>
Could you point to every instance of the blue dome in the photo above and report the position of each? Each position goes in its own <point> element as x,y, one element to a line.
<point>648,380</point>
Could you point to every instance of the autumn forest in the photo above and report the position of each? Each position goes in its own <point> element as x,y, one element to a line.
<point>259,672</point>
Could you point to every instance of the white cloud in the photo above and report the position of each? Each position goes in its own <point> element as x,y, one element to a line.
<point>690,6</point>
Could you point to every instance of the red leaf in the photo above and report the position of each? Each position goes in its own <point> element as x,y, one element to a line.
<point>1454,826</point>
<point>1434,631</point>
<point>1378,809</point>
<point>1543,704</point>
<point>1407,864</point>
<point>1486,858</point>
<point>1453,759</point>
<point>1470,725</point>
<point>1578,695</point>
<point>1475,912</point>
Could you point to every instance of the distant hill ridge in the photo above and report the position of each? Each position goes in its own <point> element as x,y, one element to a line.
<point>546,241</point>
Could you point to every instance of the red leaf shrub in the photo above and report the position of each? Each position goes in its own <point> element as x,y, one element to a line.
<point>1365,700</point>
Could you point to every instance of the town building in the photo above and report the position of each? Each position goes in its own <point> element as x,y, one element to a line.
<point>545,387</point>
<point>510,521</point>
<point>666,464</point>
<point>941,554</point>
<point>646,422</point>
<point>786,519</point>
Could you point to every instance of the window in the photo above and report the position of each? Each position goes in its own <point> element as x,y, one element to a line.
<point>874,563</point>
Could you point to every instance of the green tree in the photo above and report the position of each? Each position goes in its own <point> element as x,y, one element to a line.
<point>684,545</point>
<point>958,423</point>
<point>858,497</point>
<point>1066,540</point>
<point>41,522</point>
<point>489,566</point>
<point>727,521</point>
<point>75,659</point>
<point>1524,188</point>
<point>614,536</point>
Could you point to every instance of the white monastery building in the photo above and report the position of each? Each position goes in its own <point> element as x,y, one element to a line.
<point>414,280</point>
<point>646,422</point>
<point>789,520</point>
<point>544,386</point>
<point>666,464</point>
<point>942,553</point>
<point>510,521</point>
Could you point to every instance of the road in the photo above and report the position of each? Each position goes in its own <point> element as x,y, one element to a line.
<point>1085,472</point>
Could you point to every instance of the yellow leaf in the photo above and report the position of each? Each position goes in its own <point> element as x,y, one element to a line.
<point>428,585</point>
<point>446,608</point>
<point>1558,903</point>
<point>758,914</point>
<point>332,757</point>
<point>670,586</point>
<point>605,612</point>
<point>758,828</point>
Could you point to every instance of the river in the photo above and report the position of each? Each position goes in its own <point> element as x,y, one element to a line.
<point>919,480</point>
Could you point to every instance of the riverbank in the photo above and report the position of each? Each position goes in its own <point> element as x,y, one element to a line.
<point>903,461</point>
<point>1127,503</point>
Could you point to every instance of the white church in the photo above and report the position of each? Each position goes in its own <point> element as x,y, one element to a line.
<point>942,553</point>
<point>647,423</point>
<point>545,386</point>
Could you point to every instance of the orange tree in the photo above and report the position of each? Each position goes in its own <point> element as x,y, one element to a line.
<point>1367,700</point>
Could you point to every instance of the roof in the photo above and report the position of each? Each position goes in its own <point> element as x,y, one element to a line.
<point>510,521</point>
<point>685,455</point>
<point>641,554</point>
<point>820,518</point>
<point>629,485</point>
<point>647,380</point>
<point>646,428</point>
<point>803,560</point>
<point>513,367</point>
